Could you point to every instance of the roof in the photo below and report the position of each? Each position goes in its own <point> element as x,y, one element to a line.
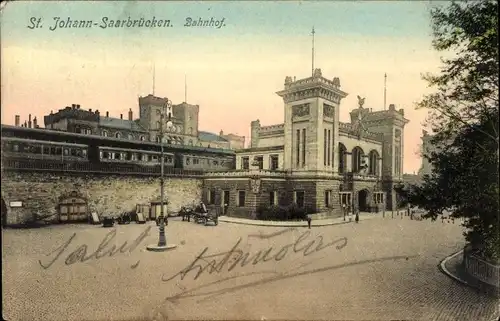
<point>210,137</point>
<point>120,123</point>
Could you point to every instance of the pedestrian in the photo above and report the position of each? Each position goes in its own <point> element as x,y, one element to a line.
<point>357,216</point>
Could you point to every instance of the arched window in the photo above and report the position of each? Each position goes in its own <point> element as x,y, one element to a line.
<point>142,138</point>
<point>104,133</point>
<point>158,139</point>
<point>130,136</point>
<point>118,135</point>
<point>342,158</point>
<point>373,165</point>
<point>357,159</point>
<point>190,130</point>
<point>158,125</point>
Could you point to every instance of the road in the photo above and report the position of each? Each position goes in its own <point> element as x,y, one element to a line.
<point>378,269</point>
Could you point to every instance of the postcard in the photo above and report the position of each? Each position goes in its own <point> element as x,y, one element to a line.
<point>234,160</point>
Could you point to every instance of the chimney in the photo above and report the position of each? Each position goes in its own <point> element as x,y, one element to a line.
<point>221,133</point>
<point>25,124</point>
<point>90,109</point>
<point>29,121</point>
<point>34,123</point>
<point>97,112</point>
<point>73,106</point>
<point>121,116</point>
<point>17,120</point>
<point>107,114</point>
<point>130,115</point>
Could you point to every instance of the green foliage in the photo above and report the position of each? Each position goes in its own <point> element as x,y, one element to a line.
<point>281,213</point>
<point>464,117</point>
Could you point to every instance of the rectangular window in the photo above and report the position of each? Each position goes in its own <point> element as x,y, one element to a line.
<point>329,145</point>
<point>328,197</point>
<point>379,197</point>
<point>241,198</point>
<point>298,147</point>
<point>273,198</point>
<point>245,163</point>
<point>273,160</point>
<point>211,196</point>
<point>260,162</point>
<point>325,141</point>
<point>303,147</point>
<point>345,198</point>
<point>299,198</point>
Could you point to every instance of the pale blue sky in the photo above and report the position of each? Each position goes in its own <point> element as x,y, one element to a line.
<point>346,18</point>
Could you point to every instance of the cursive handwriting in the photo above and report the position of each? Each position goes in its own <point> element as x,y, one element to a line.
<point>238,256</point>
<point>274,277</point>
<point>80,254</point>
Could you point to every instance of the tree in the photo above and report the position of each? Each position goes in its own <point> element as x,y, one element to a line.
<point>463,114</point>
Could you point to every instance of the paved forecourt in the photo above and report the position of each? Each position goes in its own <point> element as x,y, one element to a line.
<point>377,269</point>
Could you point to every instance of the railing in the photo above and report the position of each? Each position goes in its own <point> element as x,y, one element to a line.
<point>480,269</point>
<point>247,172</point>
<point>89,167</point>
<point>311,80</point>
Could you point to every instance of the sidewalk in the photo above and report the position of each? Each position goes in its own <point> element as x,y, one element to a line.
<point>453,267</point>
<point>318,222</point>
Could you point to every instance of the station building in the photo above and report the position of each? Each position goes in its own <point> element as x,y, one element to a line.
<point>312,159</point>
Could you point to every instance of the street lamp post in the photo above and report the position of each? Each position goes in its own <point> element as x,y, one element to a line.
<point>162,241</point>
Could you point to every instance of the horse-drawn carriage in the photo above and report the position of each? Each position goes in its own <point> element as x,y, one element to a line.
<point>200,214</point>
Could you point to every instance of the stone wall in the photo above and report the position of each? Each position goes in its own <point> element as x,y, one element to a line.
<point>314,194</point>
<point>252,200</point>
<point>106,195</point>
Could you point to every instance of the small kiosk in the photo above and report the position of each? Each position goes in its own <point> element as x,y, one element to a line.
<point>155,211</point>
<point>144,209</point>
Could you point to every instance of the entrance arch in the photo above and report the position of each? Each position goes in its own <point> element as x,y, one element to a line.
<point>363,205</point>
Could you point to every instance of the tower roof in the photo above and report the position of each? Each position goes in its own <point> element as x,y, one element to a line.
<point>315,86</point>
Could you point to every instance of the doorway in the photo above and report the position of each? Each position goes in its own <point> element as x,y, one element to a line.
<point>73,208</point>
<point>363,205</point>
<point>225,204</point>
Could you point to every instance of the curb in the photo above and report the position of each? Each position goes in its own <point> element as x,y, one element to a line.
<point>444,270</point>
<point>442,267</point>
<point>280,224</point>
<point>283,225</point>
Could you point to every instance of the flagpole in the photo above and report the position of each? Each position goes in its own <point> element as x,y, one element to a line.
<point>312,67</point>
<point>385,90</point>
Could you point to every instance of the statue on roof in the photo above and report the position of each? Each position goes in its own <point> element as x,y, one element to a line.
<point>361,101</point>
<point>317,73</point>
<point>288,80</point>
<point>336,82</point>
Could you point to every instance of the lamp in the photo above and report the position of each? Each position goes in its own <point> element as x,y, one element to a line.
<point>162,242</point>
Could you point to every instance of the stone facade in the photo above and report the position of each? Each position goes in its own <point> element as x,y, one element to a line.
<point>107,195</point>
<point>315,155</point>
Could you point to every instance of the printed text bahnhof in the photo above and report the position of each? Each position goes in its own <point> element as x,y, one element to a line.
<point>106,22</point>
